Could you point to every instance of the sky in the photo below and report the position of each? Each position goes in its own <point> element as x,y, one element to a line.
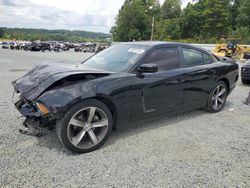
<point>88,15</point>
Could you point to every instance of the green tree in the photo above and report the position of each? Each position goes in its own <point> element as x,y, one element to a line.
<point>216,17</point>
<point>1,32</point>
<point>192,21</point>
<point>243,18</point>
<point>168,26</point>
<point>243,33</point>
<point>168,29</point>
<point>171,9</point>
<point>134,20</point>
<point>235,5</point>
<point>44,34</point>
<point>242,29</point>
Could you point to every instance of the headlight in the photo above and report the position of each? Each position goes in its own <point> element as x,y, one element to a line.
<point>42,108</point>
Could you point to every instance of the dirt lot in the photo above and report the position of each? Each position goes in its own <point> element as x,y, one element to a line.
<point>195,149</point>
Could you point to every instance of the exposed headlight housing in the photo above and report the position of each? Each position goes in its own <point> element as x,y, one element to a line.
<point>42,108</point>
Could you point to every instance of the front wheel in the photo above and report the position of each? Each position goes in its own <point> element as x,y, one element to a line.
<point>85,127</point>
<point>217,97</point>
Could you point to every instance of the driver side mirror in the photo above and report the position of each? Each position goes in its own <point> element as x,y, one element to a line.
<point>148,68</point>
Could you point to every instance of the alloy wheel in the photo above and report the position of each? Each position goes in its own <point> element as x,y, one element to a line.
<point>87,127</point>
<point>219,97</point>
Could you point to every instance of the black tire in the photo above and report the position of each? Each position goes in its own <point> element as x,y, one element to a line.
<point>211,106</point>
<point>244,81</point>
<point>63,126</point>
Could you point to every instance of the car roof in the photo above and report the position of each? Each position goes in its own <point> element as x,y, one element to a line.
<point>149,43</point>
<point>161,43</point>
<point>152,44</point>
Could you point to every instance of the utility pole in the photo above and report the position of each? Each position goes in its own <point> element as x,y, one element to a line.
<point>152,29</point>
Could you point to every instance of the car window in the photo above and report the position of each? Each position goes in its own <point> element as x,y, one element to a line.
<point>117,58</point>
<point>192,57</point>
<point>164,58</point>
<point>208,58</point>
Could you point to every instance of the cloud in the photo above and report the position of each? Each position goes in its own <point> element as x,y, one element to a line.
<point>13,3</point>
<point>92,15</point>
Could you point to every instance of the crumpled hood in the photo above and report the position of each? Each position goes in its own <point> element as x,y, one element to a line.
<point>34,82</point>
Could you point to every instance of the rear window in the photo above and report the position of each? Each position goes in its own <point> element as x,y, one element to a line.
<point>208,58</point>
<point>192,57</point>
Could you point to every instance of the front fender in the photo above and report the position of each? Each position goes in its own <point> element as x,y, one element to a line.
<point>115,89</point>
<point>61,99</point>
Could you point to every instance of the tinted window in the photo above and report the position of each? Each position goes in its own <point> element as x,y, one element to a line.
<point>117,58</point>
<point>164,58</point>
<point>208,59</point>
<point>192,57</point>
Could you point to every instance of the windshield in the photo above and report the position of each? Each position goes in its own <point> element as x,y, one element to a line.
<point>117,58</point>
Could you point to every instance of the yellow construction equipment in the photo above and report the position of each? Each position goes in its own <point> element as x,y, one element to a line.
<point>231,48</point>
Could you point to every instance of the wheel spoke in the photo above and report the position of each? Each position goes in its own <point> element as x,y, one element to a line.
<point>101,123</point>
<point>91,114</point>
<point>76,122</point>
<point>220,100</point>
<point>77,139</point>
<point>216,103</point>
<point>213,98</point>
<point>223,90</point>
<point>218,89</point>
<point>93,136</point>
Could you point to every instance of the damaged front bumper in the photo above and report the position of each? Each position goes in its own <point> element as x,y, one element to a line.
<point>27,109</point>
<point>35,119</point>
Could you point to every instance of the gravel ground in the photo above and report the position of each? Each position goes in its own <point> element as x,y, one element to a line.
<point>195,149</point>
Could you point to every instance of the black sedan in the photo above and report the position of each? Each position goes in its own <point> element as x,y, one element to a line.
<point>120,85</point>
<point>245,72</point>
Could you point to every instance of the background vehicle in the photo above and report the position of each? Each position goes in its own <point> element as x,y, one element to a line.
<point>245,73</point>
<point>122,84</point>
<point>231,48</point>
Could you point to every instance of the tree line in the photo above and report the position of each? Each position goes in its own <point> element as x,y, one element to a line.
<point>203,21</point>
<point>52,35</point>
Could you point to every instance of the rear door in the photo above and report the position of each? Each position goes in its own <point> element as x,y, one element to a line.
<point>198,78</point>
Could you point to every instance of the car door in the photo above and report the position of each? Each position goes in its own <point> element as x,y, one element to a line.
<point>198,76</point>
<point>159,92</point>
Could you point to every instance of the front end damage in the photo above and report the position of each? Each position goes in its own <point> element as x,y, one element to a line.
<point>47,91</point>
<point>35,117</point>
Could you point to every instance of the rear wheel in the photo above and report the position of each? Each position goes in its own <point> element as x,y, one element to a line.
<point>217,97</point>
<point>85,127</point>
